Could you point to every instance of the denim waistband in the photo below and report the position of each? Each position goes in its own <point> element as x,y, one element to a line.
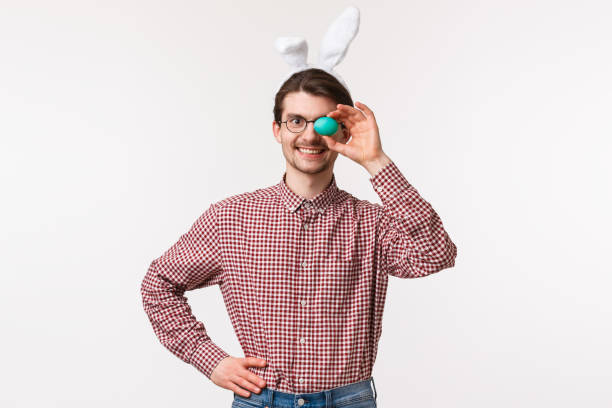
<point>348,393</point>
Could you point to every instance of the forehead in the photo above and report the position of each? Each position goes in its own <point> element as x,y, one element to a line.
<point>307,105</point>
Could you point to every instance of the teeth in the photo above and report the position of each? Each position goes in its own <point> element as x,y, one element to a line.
<point>309,151</point>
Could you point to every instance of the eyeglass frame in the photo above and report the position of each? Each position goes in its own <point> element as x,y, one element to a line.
<point>305,126</point>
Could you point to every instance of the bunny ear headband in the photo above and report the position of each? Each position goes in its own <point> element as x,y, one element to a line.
<point>333,47</point>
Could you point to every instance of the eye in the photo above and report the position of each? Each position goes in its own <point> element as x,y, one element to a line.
<point>296,121</point>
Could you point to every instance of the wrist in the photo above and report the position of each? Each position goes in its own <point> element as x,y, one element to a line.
<point>375,165</point>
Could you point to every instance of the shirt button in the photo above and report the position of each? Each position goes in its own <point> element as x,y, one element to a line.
<point>301,380</point>
<point>303,302</point>
<point>379,188</point>
<point>305,226</point>
<point>304,264</point>
<point>302,340</point>
<point>301,400</point>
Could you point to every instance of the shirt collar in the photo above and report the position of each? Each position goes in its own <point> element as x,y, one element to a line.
<point>320,202</point>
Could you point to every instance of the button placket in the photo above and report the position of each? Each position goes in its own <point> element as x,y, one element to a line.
<point>307,214</point>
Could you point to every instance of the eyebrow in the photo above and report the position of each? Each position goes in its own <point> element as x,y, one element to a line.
<point>302,116</point>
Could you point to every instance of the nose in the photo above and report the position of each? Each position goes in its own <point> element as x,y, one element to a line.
<point>309,133</point>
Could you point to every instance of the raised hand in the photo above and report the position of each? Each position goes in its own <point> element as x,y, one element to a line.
<point>232,373</point>
<point>364,147</point>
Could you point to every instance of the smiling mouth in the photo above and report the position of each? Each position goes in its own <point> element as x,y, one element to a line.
<point>312,153</point>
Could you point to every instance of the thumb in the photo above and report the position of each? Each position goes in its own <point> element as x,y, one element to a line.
<point>330,142</point>
<point>333,145</point>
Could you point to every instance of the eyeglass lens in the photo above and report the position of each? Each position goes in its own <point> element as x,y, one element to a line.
<point>296,123</point>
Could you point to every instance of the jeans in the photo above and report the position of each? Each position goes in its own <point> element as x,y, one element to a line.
<point>354,395</point>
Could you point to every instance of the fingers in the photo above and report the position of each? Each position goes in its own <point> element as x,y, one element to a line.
<point>353,113</point>
<point>246,385</point>
<point>254,361</point>
<point>240,391</point>
<point>237,390</point>
<point>246,379</point>
<point>340,117</point>
<point>367,111</point>
<point>232,373</point>
<point>350,115</point>
<point>254,379</point>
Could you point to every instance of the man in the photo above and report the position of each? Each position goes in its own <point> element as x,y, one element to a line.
<point>302,265</point>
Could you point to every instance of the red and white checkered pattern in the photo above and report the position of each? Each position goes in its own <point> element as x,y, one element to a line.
<point>304,281</point>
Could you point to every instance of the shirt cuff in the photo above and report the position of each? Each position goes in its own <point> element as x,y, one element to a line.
<point>388,182</point>
<point>206,357</point>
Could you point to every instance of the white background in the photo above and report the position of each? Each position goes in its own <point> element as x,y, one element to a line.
<point>122,121</point>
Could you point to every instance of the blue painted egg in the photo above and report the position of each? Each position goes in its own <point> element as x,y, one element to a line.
<point>325,126</point>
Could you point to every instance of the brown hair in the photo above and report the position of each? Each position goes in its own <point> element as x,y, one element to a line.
<point>314,81</point>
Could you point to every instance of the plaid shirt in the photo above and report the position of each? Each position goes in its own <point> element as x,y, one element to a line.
<point>304,280</point>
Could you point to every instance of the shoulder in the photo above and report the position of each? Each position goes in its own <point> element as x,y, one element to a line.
<point>260,196</point>
<point>357,205</point>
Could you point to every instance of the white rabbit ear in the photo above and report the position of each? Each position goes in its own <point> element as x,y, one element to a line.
<point>294,51</point>
<point>338,37</point>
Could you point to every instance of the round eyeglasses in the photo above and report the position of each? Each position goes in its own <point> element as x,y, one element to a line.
<point>297,124</point>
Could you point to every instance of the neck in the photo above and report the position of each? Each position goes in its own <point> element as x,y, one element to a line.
<point>307,185</point>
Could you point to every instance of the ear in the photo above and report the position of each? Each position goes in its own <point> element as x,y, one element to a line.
<point>276,131</point>
<point>345,133</point>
